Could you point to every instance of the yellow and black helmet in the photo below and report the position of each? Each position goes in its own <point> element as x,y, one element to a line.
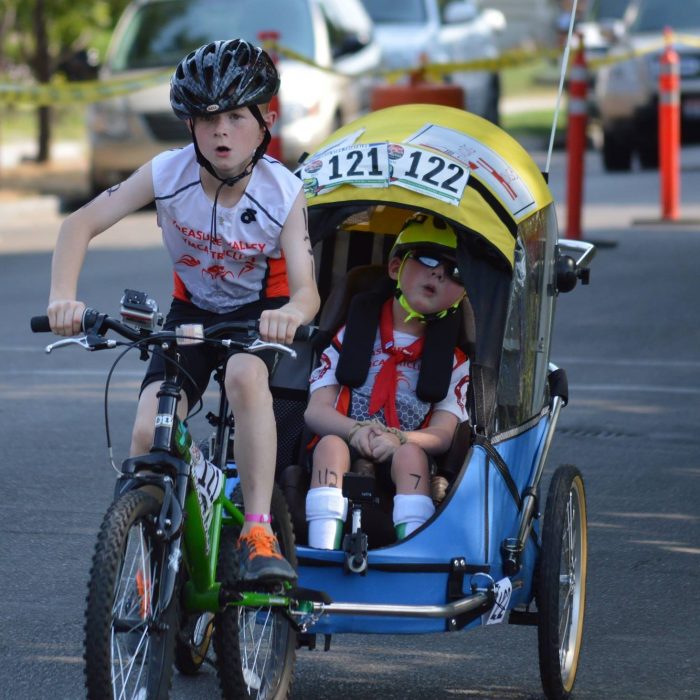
<point>425,232</point>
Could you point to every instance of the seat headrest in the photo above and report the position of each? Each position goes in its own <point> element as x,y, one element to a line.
<point>360,279</point>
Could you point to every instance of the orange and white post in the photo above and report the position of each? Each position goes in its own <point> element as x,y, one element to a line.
<point>274,149</point>
<point>670,130</point>
<point>576,141</point>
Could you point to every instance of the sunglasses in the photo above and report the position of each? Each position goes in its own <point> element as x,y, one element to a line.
<point>432,261</point>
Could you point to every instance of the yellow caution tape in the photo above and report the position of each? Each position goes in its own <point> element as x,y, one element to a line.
<point>434,70</point>
<point>61,92</point>
<point>687,39</point>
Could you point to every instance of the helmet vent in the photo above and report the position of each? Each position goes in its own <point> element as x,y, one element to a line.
<point>208,77</point>
<point>226,61</point>
<point>242,55</point>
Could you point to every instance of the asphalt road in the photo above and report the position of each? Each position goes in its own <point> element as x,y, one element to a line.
<point>629,342</point>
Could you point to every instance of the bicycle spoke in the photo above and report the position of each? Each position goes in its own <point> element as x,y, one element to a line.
<point>565,630</point>
<point>133,601</point>
<point>570,529</point>
<point>257,638</point>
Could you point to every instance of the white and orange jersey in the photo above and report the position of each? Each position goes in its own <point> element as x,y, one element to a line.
<point>412,412</point>
<point>236,259</point>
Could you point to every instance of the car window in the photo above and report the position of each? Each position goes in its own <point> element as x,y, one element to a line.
<point>606,9</point>
<point>161,33</point>
<point>349,27</point>
<point>656,15</point>
<point>390,11</point>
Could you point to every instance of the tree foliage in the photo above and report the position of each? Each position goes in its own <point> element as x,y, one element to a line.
<point>41,36</point>
<point>70,25</point>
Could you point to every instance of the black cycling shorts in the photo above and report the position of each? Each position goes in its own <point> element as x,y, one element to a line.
<point>201,360</point>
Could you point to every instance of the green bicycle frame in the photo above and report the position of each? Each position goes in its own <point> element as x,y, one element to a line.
<point>202,591</point>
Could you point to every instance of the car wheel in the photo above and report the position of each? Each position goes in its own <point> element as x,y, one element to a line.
<point>649,154</point>
<point>617,152</point>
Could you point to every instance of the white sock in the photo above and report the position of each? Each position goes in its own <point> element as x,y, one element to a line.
<point>410,512</point>
<point>326,510</point>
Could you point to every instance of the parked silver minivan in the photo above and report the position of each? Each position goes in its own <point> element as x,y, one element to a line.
<point>125,132</point>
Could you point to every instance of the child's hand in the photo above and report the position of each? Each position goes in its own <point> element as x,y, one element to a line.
<point>65,316</point>
<point>360,439</point>
<point>279,325</point>
<point>383,445</point>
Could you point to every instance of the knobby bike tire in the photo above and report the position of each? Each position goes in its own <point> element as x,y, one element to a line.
<point>123,591</point>
<point>236,629</point>
<point>192,642</point>
<point>561,583</point>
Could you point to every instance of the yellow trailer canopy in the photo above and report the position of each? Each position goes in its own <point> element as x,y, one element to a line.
<point>431,158</point>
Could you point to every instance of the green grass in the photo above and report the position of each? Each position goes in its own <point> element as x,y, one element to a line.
<point>537,123</point>
<point>20,122</point>
<point>534,78</point>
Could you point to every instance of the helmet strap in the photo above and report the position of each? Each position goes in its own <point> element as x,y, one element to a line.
<point>410,311</point>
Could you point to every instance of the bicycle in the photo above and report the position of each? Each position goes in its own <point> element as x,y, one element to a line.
<point>144,610</point>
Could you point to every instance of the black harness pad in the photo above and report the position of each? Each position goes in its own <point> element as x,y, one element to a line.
<point>441,338</point>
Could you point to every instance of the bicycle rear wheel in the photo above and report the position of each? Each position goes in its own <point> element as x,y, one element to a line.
<point>255,647</point>
<point>129,646</point>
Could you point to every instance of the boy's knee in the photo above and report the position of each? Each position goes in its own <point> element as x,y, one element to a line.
<point>247,378</point>
<point>409,457</point>
<point>331,461</point>
<point>330,443</point>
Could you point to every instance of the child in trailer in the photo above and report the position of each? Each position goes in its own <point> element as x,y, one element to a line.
<point>234,223</point>
<point>395,399</point>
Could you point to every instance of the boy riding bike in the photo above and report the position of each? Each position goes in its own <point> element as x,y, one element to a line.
<point>234,223</point>
<point>402,411</point>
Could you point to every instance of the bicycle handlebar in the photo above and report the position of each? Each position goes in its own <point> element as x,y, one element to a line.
<point>99,323</point>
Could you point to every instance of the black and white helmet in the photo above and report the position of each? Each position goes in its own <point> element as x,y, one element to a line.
<point>222,76</point>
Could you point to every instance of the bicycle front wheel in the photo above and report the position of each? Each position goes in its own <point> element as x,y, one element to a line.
<point>255,647</point>
<point>129,641</point>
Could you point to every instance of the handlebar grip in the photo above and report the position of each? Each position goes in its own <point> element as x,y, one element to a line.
<point>304,332</point>
<point>40,324</point>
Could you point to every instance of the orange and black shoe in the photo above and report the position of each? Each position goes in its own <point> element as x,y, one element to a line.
<point>260,559</point>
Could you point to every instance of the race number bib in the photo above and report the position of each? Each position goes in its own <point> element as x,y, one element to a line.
<point>427,172</point>
<point>383,165</point>
<point>361,165</point>
<point>503,590</point>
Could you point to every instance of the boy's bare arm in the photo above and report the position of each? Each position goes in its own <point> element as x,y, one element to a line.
<point>64,310</point>
<point>321,415</point>
<point>279,325</point>
<point>436,438</point>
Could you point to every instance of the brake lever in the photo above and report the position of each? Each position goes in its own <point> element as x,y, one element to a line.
<point>87,342</point>
<point>258,345</point>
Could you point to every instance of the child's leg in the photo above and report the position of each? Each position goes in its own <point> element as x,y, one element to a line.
<point>255,445</point>
<point>412,503</point>
<point>144,424</point>
<point>326,508</point>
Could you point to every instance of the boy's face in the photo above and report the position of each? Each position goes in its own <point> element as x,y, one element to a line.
<point>427,288</point>
<point>229,139</point>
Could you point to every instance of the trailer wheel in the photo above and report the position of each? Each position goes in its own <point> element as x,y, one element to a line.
<point>561,582</point>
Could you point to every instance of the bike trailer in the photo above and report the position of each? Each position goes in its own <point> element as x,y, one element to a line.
<point>474,560</point>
